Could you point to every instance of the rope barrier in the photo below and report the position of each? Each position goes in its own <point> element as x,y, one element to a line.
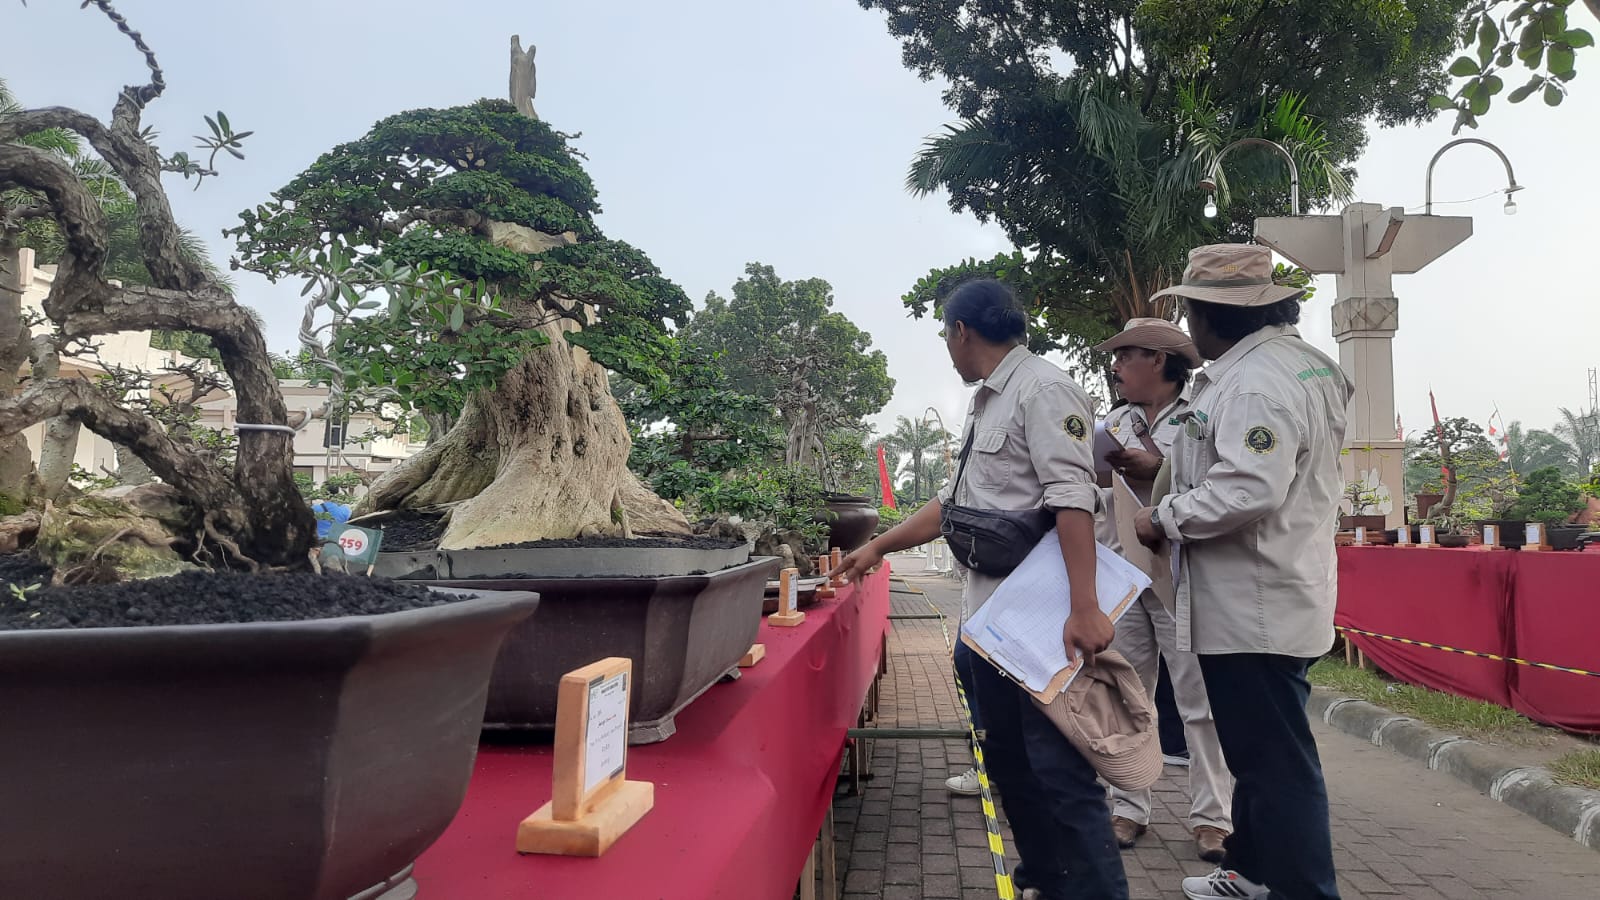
<point>991,821</point>
<point>1476,653</point>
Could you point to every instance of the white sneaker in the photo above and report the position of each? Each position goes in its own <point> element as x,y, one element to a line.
<point>965,784</point>
<point>1223,884</point>
<point>1175,760</point>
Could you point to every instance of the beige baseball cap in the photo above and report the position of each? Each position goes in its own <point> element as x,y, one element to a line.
<point>1107,716</point>
<point>1155,334</point>
<point>1232,275</point>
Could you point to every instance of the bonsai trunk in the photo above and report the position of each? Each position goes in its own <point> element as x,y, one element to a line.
<point>542,456</point>
<point>16,461</point>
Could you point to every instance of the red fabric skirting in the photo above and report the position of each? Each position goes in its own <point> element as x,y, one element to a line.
<point>1459,598</point>
<point>1540,607</point>
<point>740,790</point>
<point>1556,620</point>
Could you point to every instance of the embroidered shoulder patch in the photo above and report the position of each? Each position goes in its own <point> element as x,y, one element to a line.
<point>1075,426</point>
<point>1260,439</point>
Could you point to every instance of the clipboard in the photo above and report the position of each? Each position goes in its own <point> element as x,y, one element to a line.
<point>1062,678</point>
<point>1156,564</point>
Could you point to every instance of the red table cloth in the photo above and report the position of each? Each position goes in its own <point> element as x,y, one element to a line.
<point>740,790</point>
<point>1556,619</point>
<point>1459,598</point>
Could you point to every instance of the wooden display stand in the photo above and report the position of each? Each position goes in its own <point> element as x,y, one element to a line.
<point>755,654</point>
<point>1536,539</point>
<point>1361,537</point>
<point>1429,538</point>
<point>1402,536</point>
<point>825,590</point>
<point>1491,537</point>
<point>592,803</point>
<point>788,615</point>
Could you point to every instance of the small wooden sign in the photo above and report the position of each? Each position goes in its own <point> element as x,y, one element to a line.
<point>837,560</point>
<point>1491,537</point>
<point>1427,534</point>
<point>825,590</point>
<point>1535,539</point>
<point>592,803</point>
<point>788,614</point>
<point>1402,536</point>
<point>1361,536</point>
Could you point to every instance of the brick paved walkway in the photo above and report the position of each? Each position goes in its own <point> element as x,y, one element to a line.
<point>1399,830</point>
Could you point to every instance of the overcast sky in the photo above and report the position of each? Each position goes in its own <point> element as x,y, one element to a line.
<point>721,132</point>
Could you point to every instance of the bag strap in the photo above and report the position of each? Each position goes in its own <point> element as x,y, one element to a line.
<point>961,467</point>
<point>1141,430</point>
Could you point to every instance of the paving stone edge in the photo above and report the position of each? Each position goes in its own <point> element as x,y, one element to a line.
<point>1531,790</point>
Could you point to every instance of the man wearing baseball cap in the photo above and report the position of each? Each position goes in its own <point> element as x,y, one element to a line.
<point>1150,364</point>
<point>1254,504</point>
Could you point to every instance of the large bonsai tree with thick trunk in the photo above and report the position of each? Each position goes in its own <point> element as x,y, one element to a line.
<point>506,306</point>
<point>251,510</point>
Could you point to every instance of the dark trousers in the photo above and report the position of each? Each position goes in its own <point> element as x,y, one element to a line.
<point>1168,720</point>
<point>964,658</point>
<point>1056,807</point>
<point>1281,836</point>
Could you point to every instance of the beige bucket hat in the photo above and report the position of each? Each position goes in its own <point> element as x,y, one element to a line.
<point>1155,334</point>
<point>1107,716</point>
<point>1232,275</point>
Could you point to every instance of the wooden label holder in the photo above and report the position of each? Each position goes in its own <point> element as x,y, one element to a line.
<point>788,614</point>
<point>1361,536</point>
<point>1536,539</point>
<point>1402,535</point>
<point>1491,537</point>
<point>825,590</point>
<point>1429,538</point>
<point>592,803</point>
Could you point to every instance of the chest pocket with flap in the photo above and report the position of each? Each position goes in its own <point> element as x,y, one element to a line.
<point>991,459</point>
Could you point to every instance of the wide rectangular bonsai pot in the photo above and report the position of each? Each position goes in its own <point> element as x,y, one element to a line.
<point>683,633</point>
<point>300,760</point>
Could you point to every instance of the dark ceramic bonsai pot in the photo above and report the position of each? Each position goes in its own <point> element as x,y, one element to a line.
<point>683,633</point>
<point>1513,532</point>
<point>850,520</point>
<point>263,761</point>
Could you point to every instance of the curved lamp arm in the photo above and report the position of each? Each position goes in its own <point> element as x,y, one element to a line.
<point>1209,183</point>
<point>1511,177</point>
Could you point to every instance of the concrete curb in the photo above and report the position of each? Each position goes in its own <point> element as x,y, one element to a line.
<point>1531,790</point>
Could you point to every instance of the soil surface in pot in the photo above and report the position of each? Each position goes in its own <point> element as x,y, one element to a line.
<point>411,531</point>
<point>200,598</point>
<point>688,542</point>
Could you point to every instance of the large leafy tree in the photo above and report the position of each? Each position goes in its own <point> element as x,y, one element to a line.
<point>506,306</point>
<point>1581,431</point>
<point>1532,38</point>
<point>1085,127</point>
<point>1535,448</point>
<point>781,341</point>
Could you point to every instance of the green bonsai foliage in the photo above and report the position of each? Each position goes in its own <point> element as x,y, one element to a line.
<point>474,194</point>
<point>1546,497</point>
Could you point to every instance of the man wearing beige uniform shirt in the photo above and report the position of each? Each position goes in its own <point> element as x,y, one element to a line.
<point>1150,366</point>
<point>1254,504</point>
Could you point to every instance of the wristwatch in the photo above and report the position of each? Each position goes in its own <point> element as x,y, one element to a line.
<point>1155,516</point>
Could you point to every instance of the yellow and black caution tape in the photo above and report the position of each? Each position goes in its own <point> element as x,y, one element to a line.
<point>1480,655</point>
<point>991,820</point>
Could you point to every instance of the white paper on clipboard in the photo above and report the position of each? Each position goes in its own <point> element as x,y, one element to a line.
<point>1156,564</point>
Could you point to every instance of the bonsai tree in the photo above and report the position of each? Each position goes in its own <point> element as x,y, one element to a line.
<point>244,510</point>
<point>1546,496</point>
<point>506,305</point>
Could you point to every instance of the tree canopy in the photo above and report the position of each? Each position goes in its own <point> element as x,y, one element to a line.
<point>1087,127</point>
<point>782,342</point>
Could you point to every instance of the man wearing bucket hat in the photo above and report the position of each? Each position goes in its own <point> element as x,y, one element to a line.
<point>1254,501</point>
<point>1151,359</point>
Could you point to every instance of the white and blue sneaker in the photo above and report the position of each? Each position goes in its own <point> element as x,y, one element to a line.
<point>965,784</point>
<point>1223,884</point>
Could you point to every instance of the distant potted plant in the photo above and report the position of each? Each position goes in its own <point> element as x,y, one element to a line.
<point>1364,512</point>
<point>1502,494</point>
<point>1550,499</point>
<point>1430,496</point>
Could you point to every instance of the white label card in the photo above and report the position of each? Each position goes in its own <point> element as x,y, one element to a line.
<point>1533,537</point>
<point>606,732</point>
<point>1402,535</point>
<point>1361,535</point>
<point>791,597</point>
<point>1427,534</point>
<point>1491,535</point>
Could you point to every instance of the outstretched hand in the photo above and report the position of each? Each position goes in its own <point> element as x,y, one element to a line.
<point>859,562</point>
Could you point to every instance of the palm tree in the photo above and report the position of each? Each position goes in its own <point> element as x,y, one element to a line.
<point>1582,431</point>
<point>1107,198</point>
<point>914,438</point>
<point>1536,448</point>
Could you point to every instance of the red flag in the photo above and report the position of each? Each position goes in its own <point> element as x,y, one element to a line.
<point>883,478</point>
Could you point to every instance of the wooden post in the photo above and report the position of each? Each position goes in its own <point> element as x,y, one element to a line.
<point>788,615</point>
<point>592,803</point>
<point>755,654</point>
<point>825,590</point>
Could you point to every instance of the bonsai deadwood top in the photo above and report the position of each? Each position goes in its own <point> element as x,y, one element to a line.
<point>254,511</point>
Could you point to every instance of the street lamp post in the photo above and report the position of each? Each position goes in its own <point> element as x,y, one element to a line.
<point>1511,177</point>
<point>1365,246</point>
<point>1209,183</point>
